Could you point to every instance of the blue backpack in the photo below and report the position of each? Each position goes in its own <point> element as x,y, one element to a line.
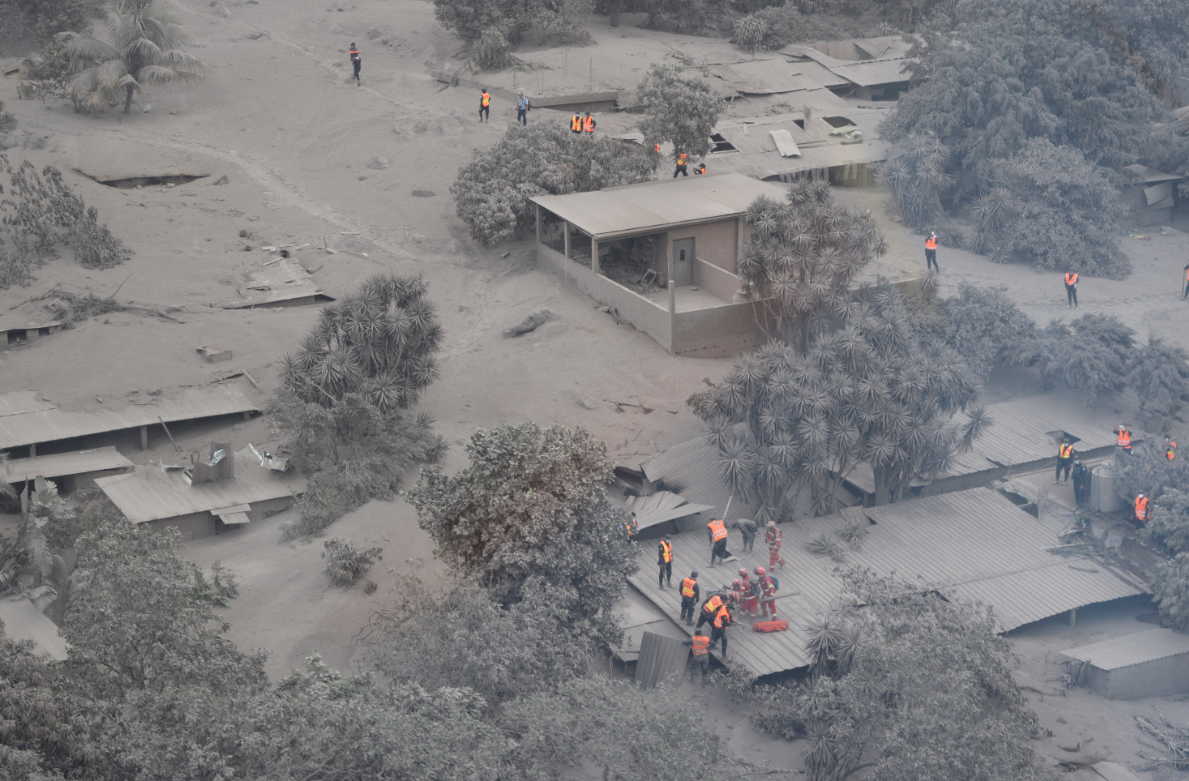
<point>775,582</point>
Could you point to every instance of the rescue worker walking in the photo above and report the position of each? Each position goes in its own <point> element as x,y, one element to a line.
<point>699,655</point>
<point>576,124</point>
<point>1071,289</point>
<point>664,560</point>
<point>722,619</point>
<point>522,108</point>
<point>1064,460</point>
<point>709,609</point>
<point>356,63</point>
<point>750,594</point>
<point>931,252</point>
<point>588,124</point>
<point>485,105</point>
<point>689,597</point>
<point>772,537</point>
<point>1081,484</point>
<point>682,164</point>
<point>767,588</point>
<point>1185,292</point>
<point>716,531</point>
<point>1141,509</point>
<point>1124,438</point>
<point>749,531</point>
<point>1170,448</point>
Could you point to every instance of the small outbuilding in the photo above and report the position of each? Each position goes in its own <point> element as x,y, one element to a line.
<point>1154,663</point>
<point>69,471</point>
<point>1150,197</point>
<point>663,255</point>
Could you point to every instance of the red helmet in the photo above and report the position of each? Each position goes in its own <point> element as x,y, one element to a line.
<point>761,571</point>
<point>743,572</point>
<point>737,583</point>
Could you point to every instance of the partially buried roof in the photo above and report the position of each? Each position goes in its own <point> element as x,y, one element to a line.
<point>694,470</point>
<point>1149,175</point>
<point>23,621</point>
<point>280,280</point>
<point>1136,648</point>
<point>63,464</point>
<point>777,76</point>
<point>656,206</point>
<point>662,506</point>
<point>27,420</point>
<point>152,493</point>
<point>973,545</point>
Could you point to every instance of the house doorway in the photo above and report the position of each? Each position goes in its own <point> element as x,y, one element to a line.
<point>683,262</point>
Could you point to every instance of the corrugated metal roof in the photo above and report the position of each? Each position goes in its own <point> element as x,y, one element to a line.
<point>64,464</point>
<point>694,470</point>
<point>24,421</point>
<point>23,621</point>
<point>284,280</point>
<point>785,145</point>
<point>1131,649</point>
<point>772,77</point>
<point>757,155</point>
<point>1113,771</point>
<point>662,506</point>
<point>971,544</point>
<point>1150,175</point>
<point>150,493</point>
<point>654,206</point>
<point>872,73</point>
<point>660,657</point>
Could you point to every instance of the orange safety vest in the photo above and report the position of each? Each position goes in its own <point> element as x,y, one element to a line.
<point>722,613</point>
<point>666,551</point>
<point>1141,508</point>
<point>486,99</point>
<point>681,161</point>
<point>1171,453</point>
<point>713,604</point>
<point>702,168</point>
<point>687,587</point>
<point>576,123</point>
<point>1066,452</point>
<point>1071,279</point>
<point>720,531</point>
<point>657,149</point>
<point>701,645</point>
<point>1124,439</point>
<point>354,53</point>
<point>931,243</point>
<point>588,124</point>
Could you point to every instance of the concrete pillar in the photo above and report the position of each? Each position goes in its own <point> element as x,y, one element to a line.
<point>144,437</point>
<point>538,210</point>
<point>740,244</point>
<point>672,300</point>
<point>1073,617</point>
<point>669,256</point>
<point>247,415</point>
<point>594,254</point>
<point>32,451</point>
<point>566,227</point>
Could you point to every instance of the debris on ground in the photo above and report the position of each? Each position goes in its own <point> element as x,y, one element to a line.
<point>530,323</point>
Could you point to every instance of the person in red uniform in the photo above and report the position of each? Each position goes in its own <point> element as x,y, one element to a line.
<point>1071,288</point>
<point>700,655</point>
<point>751,599</point>
<point>767,593</point>
<point>772,537</point>
<point>588,124</point>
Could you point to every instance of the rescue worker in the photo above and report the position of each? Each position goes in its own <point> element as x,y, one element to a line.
<point>664,560</point>
<point>1185,292</point>
<point>485,105</point>
<point>750,592</point>
<point>931,252</point>
<point>1124,438</point>
<point>576,123</point>
<point>522,107</point>
<point>689,597</point>
<point>1141,509</point>
<point>1064,460</point>
<point>749,531</point>
<point>767,588</point>
<point>709,608</point>
<point>588,124</point>
<point>701,169</point>
<point>1081,484</point>
<point>682,163</point>
<point>772,537</point>
<point>1170,448</point>
<point>656,149</point>
<point>737,595</point>
<point>356,63</point>
<point>716,531</point>
<point>628,525</point>
<point>1071,289</point>
<point>722,619</point>
<point>699,655</point>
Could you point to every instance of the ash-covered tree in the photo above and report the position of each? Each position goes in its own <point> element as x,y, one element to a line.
<point>909,687</point>
<point>1159,373</point>
<point>915,174</point>
<point>1168,530</point>
<point>531,513</point>
<point>346,395</point>
<point>491,193</point>
<point>844,380</point>
<point>563,20</point>
<point>678,109</point>
<point>1091,353</point>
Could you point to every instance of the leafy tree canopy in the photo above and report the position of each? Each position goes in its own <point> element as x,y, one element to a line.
<point>1090,353</point>
<point>514,19</point>
<point>679,109</point>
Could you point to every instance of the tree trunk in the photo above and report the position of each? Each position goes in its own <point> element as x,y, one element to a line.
<point>883,493</point>
<point>613,9</point>
<point>128,99</point>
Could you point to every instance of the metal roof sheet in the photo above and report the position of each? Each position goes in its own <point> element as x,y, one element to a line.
<point>757,155</point>
<point>23,621</point>
<point>872,73</point>
<point>662,506</point>
<point>1150,175</point>
<point>1113,771</point>
<point>1128,650</point>
<point>654,206</point>
<point>972,544</point>
<point>64,464</point>
<point>285,280</point>
<point>150,493</point>
<point>25,421</point>
<point>765,77</point>
<point>694,470</point>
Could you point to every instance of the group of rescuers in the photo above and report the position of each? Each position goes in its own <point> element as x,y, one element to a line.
<point>1067,462</point>
<point>746,595</point>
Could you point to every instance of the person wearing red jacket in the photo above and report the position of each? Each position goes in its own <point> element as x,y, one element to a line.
<point>772,537</point>
<point>767,593</point>
<point>751,598</point>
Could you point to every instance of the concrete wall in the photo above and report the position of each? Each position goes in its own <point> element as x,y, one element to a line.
<point>721,283</point>
<point>1160,678</point>
<point>261,510</point>
<point>716,333</point>
<point>639,311</point>
<point>194,526</point>
<point>714,242</point>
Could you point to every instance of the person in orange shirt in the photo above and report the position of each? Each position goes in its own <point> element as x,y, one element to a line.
<point>356,63</point>
<point>485,105</point>
<point>716,531</point>
<point>1170,448</point>
<point>700,647</point>
<point>1071,288</point>
<point>931,252</point>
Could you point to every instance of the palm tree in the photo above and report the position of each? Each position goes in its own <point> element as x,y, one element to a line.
<point>142,49</point>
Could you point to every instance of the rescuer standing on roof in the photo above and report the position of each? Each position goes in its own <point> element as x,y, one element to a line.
<point>1071,288</point>
<point>1064,460</point>
<point>749,531</point>
<point>722,619</point>
<point>700,655</point>
<point>772,537</point>
<point>356,63</point>
<point>664,560</point>
<point>689,597</point>
<point>485,105</point>
<point>931,252</point>
<point>1142,513</point>
<point>767,588</point>
<point>710,608</point>
<point>750,593</point>
<point>1124,438</point>
<point>1081,484</point>
<point>716,531</point>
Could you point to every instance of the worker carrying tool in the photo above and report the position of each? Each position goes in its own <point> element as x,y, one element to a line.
<point>664,560</point>
<point>1124,438</point>
<point>710,608</point>
<point>716,531</point>
<point>689,597</point>
<point>772,537</point>
<point>722,620</point>
<point>699,655</point>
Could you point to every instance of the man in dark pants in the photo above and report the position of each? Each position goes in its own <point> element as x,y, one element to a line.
<point>682,165</point>
<point>1081,484</point>
<point>722,619</point>
<point>485,105</point>
<point>356,63</point>
<point>710,609</point>
<point>716,531</point>
<point>748,529</point>
<point>700,648</point>
<point>689,597</point>
<point>522,109</point>
<point>1071,288</point>
<point>1064,460</point>
<point>931,252</point>
<point>664,560</point>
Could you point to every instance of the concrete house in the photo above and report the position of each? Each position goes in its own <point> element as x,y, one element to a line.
<point>663,255</point>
